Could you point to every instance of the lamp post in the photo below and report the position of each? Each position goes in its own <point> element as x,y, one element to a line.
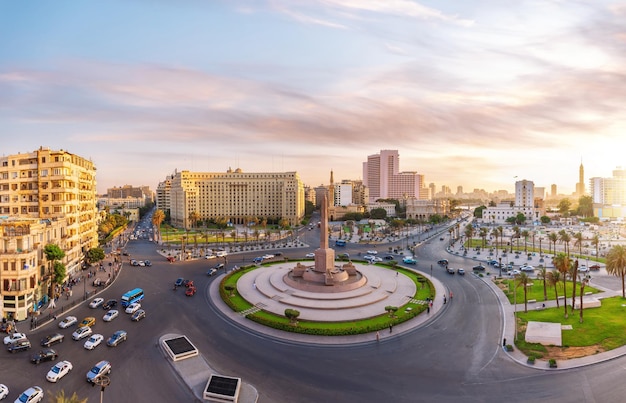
<point>103,382</point>
<point>500,266</point>
<point>84,288</point>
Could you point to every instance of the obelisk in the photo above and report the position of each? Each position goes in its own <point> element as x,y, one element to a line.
<point>324,256</point>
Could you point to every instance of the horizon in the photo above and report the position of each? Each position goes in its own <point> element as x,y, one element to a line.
<point>471,94</point>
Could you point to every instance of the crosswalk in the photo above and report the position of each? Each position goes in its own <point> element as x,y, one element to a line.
<point>256,308</point>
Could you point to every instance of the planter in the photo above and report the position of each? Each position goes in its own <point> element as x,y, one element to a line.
<point>531,360</point>
<point>509,347</point>
<point>552,363</point>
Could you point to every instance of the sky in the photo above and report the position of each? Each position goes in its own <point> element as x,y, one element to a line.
<point>475,93</point>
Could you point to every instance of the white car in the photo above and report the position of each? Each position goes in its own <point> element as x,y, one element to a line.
<point>514,273</point>
<point>210,257</point>
<point>110,315</point>
<point>133,307</point>
<point>93,341</point>
<point>59,370</point>
<point>82,332</point>
<point>376,259</point>
<point>368,258</point>
<point>527,268</point>
<point>268,256</point>
<point>583,269</point>
<point>67,322</point>
<point>372,252</point>
<point>310,255</point>
<point>31,395</point>
<point>4,391</point>
<point>96,302</point>
<point>14,337</point>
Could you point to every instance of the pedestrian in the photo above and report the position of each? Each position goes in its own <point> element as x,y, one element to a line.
<point>377,336</point>
<point>428,309</point>
<point>444,300</point>
<point>390,328</point>
<point>451,295</point>
<point>32,322</point>
<point>504,342</point>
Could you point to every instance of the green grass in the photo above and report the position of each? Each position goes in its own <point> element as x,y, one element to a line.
<point>602,327</point>
<point>536,290</point>
<point>424,290</point>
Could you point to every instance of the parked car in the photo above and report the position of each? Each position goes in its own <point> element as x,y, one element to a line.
<point>110,315</point>
<point>133,307</point>
<point>47,354</point>
<point>116,338</point>
<point>310,255</point>
<point>179,282</point>
<point>479,267</point>
<point>93,341</point>
<point>52,339</point>
<point>138,315</point>
<point>12,338</point>
<point>31,395</point>
<point>4,391</point>
<point>97,371</point>
<point>20,345</point>
<point>409,260</point>
<point>67,322</point>
<point>82,332</point>
<point>96,302</point>
<point>112,303</point>
<point>190,291</point>
<point>88,321</point>
<point>147,263</point>
<point>59,370</point>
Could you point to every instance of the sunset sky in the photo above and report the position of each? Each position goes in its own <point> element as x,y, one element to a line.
<point>471,93</point>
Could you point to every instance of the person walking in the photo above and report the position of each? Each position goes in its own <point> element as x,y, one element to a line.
<point>390,328</point>
<point>377,336</point>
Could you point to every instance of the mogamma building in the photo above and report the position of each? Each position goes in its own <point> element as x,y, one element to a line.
<point>47,196</point>
<point>236,196</point>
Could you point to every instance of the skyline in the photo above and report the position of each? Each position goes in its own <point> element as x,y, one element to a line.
<point>472,94</point>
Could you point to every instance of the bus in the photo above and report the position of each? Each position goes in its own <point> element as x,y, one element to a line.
<point>340,242</point>
<point>132,296</point>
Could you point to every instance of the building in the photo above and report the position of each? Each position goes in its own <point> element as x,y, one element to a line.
<point>524,203</point>
<point>163,194</point>
<point>424,209</point>
<point>609,195</point>
<point>236,196</point>
<point>51,186</point>
<point>343,194</point>
<point>381,175</point>
<point>580,186</point>
<point>128,191</point>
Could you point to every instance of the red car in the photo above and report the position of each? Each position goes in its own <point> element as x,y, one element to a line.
<point>594,267</point>
<point>190,291</point>
<point>171,259</point>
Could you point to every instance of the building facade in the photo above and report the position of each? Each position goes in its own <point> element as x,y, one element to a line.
<point>609,195</point>
<point>59,188</point>
<point>236,196</point>
<point>382,176</point>
<point>424,209</point>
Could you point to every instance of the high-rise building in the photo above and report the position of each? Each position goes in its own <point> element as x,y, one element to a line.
<point>553,192</point>
<point>163,193</point>
<point>609,191</point>
<point>128,191</point>
<point>47,196</point>
<point>382,177</point>
<point>236,196</point>
<point>524,193</point>
<point>580,186</point>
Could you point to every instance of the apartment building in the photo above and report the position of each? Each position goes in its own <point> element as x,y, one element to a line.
<point>382,176</point>
<point>54,187</point>
<point>236,196</point>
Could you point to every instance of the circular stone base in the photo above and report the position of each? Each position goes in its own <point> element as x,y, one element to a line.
<point>314,281</point>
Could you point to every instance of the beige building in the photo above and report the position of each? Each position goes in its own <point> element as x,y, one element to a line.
<point>59,188</point>
<point>424,209</point>
<point>163,193</point>
<point>236,196</point>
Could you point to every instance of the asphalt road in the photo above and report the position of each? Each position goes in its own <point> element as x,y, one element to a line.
<point>456,357</point>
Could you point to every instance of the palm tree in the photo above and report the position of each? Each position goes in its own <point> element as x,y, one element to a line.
<point>565,238</point>
<point>554,278</point>
<point>525,234</point>
<point>157,218</point>
<point>574,274</point>
<point>469,233</point>
<point>616,264</point>
<point>483,234</point>
<point>194,217</point>
<point>583,283</point>
<point>543,275</point>
<point>579,242</point>
<point>61,398</point>
<point>523,280</point>
<point>257,235</point>
<point>553,237</point>
<point>562,263</point>
<point>516,234</point>
<point>494,232</point>
<point>595,241</point>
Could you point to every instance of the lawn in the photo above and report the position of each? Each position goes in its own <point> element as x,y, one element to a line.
<point>536,290</point>
<point>602,327</point>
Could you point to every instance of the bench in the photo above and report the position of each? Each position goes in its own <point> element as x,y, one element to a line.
<point>588,293</point>
<point>531,301</point>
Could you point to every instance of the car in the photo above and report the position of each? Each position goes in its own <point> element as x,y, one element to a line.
<point>116,338</point>
<point>133,307</point>
<point>310,255</point>
<point>376,259</point>
<point>20,345</point>
<point>47,354</point>
<point>109,316</point>
<point>461,271</point>
<point>52,339</point>
<point>257,260</point>
<point>99,370</point>
<point>594,267</point>
<point>134,263</point>
<point>527,268</point>
<point>96,302</point>
<point>179,282</point>
<point>12,338</point>
<point>33,394</point>
<point>278,254</point>
<point>210,257</point>
<point>59,370</point>
<point>141,263</point>
<point>147,263</point>
<point>479,267</point>
<point>138,315</point>
<point>82,332</point>
<point>171,259</point>
<point>112,303</point>
<point>211,272</point>
<point>4,391</point>
<point>450,270</point>
<point>409,260</point>
<point>583,269</point>
<point>188,283</point>
<point>388,257</point>
<point>268,256</point>
<point>441,239</point>
<point>443,262</point>
<point>514,273</point>
<point>372,252</point>
<point>190,291</point>
<point>67,322</point>
<point>219,266</point>
<point>344,256</point>
<point>369,258</point>
<point>88,321</point>
<point>93,341</point>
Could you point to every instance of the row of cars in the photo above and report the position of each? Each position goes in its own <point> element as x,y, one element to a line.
<point>140,263</point>
<point>190,288</point>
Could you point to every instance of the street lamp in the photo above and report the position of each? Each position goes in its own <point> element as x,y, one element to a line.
<point>500,266</point>
<point>84,288</point>
<point>102,381</point>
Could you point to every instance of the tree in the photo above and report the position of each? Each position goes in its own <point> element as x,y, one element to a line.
<point>545,219</point>
<point>478,211</point>
<point>378,214</point>
<point>61,398</point>
<point>579,242</point>
<point>53,253</point>
<point>483,234</point>
<point>585,206</point>
<point>553,238</point>
<point>554,278</point>
<point>595,241</point>
<point>565,238</point>
<point>94,255</point>
<point>574,275</point>
<point>391,310</point>
<point>157,219</point>
<point>59,272</point>
<point>616,264</point>
<point>583,283</point>
<point>194,217</point>
<point>564,206</point>
<point>292,315</point>
<point>562,263</point>
<point>543,275</point>
<point>525,234</point>
<point>522,279</point>
<point>230,288</point>
<point>469,233</point>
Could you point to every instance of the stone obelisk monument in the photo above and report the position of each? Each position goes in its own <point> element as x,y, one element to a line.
<point>324,256</point>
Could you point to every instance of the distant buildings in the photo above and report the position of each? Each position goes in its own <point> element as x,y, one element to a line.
<point>382,177</point>
<point>46,197</point>
<point>609,195</point>
<point>235,196</point>
<point>524,203</point>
